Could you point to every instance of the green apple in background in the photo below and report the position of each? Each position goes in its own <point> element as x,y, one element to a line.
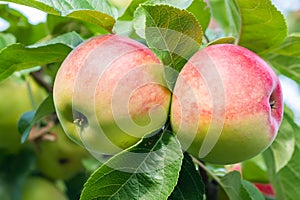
<point>38,188</point>
<point>110,92</point>
<point>15,100</point>
<point>227,104</point>
<point>61,158</point>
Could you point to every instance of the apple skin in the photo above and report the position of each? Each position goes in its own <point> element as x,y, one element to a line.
<point>110,92</point>
<point>37,188</point>
<point>60,159</point>
<point>227,104</point>
<point>266,189</point>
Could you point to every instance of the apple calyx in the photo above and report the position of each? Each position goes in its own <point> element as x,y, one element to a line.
<point>80,119</point>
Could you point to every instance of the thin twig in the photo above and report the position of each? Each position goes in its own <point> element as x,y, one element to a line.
<point>37,76</point>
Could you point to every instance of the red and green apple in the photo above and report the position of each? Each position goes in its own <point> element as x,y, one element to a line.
<point>110,92</point>
<point>227,104</point>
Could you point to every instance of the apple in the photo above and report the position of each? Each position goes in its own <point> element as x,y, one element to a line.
<point>61,158</point>
<point>227,104</point>
<point>14,102</point>
<point>266,189</point>
<point>110,92</point>
<point>37,188</point>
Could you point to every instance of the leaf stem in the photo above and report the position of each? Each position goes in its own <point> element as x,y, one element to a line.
<point>198,162</point>
<point>33,104</point>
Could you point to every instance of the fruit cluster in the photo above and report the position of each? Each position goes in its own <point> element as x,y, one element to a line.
<point>226,105</point>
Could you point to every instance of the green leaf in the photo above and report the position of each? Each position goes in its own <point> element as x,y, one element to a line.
<point>219,13</point>
<point>25,124</point>
<point>255,170</point>
<point>29,119</point>
<point>223,40</point>
<point>99,13</point>
<point>238,189</point>
<point>58,25</point>
<point>139,14</point>
<point>257,24</point>
<point>129,13</point>
<point>19,57</point>
<point>39,4</point>
<point>226,12</point>
<point>262,26</point>
<point>175,3</point>
<point>174,35</point>
<point>44,109</point>
<point>12,16</point>
<point>201,11</point>
<point>6,39</point>
<point>286,181</point>
<point>19,26</point>
<point>253,191</point>
<point>189,185</point>
<point>71,40</point>
<point>148,170</point>
<point>94,17</point>
<point>286,57</point>
<point>284,144</point>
